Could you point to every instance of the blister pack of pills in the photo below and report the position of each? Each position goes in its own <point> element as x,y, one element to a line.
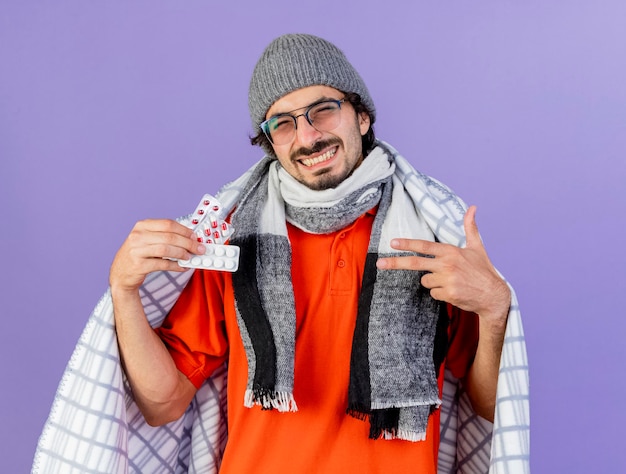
<point>213,232</point>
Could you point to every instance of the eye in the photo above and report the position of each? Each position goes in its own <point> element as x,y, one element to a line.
<point>323,109</point>
<point>280,122</point>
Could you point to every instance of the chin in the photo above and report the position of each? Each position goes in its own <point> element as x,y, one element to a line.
<point>324,181</point>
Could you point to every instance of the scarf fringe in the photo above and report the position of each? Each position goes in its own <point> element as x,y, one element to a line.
<point>270,399</point>
<point>403,434</point>
<point>384,422</point>
<point>436,402</point>
<point>359,414</point>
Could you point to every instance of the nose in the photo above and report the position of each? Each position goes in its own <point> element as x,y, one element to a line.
<point>305,132</point>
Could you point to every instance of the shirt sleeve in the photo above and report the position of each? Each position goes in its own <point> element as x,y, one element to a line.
<point>194,330</point>
<point>463,341</point>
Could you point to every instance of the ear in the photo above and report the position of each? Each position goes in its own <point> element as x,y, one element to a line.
<point>364,122</point>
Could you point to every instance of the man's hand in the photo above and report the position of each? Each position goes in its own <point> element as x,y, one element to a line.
<point>463,277</point>
<point>147,249</point>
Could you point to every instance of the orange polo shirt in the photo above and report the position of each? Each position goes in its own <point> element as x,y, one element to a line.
<point>201,332</point>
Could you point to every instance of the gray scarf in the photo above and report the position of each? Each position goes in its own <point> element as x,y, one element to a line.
<point>400,334</point>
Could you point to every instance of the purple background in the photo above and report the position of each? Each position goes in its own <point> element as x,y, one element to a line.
<point>115,111</point>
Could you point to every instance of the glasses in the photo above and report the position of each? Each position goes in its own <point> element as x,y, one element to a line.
<point>323,116</point>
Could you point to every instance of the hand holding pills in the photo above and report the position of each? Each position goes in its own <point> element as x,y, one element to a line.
<point>212,232</point>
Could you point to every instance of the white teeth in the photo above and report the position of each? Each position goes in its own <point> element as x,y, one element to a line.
<point>318,159</point>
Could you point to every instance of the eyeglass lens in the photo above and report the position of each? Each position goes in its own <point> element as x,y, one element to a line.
<point>323,116</point>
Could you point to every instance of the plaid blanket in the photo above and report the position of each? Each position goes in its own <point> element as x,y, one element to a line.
<point>95,427</point>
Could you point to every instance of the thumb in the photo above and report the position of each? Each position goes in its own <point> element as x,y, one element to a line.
<point>472,236</point>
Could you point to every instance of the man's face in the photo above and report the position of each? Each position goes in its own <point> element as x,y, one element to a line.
<point>320,160</point>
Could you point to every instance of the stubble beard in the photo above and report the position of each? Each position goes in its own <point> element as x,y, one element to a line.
<point>323,177</point>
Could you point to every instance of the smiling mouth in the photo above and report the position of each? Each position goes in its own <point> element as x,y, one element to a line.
<point>308,162</point>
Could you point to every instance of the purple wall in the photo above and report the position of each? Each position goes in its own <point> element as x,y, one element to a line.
<point>115,111</point>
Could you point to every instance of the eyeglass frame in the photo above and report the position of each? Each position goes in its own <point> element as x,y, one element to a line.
<point>264,126</point>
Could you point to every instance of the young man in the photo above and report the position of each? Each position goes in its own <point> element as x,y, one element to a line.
<point>346,308</point>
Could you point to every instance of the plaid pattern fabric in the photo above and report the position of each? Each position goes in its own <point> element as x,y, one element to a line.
<point>95,427</point>
<point>469,444</point>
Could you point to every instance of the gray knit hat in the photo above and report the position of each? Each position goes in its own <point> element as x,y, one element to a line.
<point>294,61</point>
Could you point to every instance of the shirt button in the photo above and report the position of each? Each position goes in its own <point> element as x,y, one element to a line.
<point>341,263</point>
<point>342,235</point>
